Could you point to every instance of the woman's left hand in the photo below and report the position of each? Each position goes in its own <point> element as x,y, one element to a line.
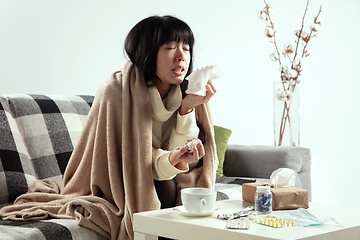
<point>193,100</point>
<point>180,156</point>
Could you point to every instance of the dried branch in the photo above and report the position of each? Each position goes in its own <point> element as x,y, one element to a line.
<point>301,30</point>
<point>315,21</point>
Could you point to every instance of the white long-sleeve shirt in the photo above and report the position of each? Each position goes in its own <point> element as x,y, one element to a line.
<point>169,131</point>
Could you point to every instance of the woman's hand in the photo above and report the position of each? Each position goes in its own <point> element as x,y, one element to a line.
<point>181,156</point>
<point>192,100</point>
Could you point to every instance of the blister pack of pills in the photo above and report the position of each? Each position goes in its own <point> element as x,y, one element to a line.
<point>274,222</point>
<point>239,223</point>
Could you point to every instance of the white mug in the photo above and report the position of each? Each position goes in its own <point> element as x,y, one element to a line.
<point>198,200</point>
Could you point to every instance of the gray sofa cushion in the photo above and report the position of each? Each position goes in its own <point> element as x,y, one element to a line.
<point>261,161</point>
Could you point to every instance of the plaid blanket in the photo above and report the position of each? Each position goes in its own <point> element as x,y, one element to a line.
<point>53,229</point>
<point>37,136</point>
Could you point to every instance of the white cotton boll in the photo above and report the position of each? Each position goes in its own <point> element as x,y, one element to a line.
<point>283,68</point>
<point>274,57</point>
<point>315,27</point>
<point>269,32</point>
<point>288,74</point>
<point>282,95</point>
<point>292,82</point>
<point>288,48</point>
<point>304,34</point>
<point>262,15</point>
<point>293,73</point>
<point>279,94</point>
<point>297,63</point>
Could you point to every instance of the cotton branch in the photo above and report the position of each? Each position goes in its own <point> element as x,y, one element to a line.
<point>301,30</point>
<point>272,26</point>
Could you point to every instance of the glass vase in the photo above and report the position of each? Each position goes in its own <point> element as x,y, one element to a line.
<point>286,113</point>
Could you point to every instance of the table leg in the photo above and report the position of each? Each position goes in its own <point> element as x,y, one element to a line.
<point>144,236</point>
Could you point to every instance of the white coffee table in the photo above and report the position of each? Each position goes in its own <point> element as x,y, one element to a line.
<point>171,224</point>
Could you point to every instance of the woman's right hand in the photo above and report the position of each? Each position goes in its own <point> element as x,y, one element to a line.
<point>193,100</point>
<point>180,156</point>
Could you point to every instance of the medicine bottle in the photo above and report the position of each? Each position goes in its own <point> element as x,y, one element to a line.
<point>263,200</point>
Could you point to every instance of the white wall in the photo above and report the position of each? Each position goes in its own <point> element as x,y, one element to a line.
<point>72,46</point>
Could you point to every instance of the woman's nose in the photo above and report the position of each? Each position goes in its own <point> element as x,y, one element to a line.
<point>180,56</point>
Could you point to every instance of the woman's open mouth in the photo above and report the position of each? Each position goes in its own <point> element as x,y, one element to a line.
<point>178,71</point>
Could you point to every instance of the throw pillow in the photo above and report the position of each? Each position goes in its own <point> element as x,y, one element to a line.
<point>222,136</point>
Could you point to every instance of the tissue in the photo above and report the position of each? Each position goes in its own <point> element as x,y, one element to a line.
<point>283,177</point>
<point>199,78</point>
<point>285,188</point>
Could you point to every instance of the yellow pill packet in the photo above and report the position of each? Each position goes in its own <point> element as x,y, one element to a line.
<point>274,222</point>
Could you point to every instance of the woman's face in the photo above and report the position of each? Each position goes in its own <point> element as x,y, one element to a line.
<point>173,61</point>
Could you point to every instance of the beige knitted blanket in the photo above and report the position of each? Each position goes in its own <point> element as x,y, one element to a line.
<point>109,175</point>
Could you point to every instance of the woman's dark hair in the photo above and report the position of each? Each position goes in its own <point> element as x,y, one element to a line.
<point>145,38</point>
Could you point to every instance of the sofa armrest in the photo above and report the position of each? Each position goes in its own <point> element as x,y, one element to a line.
<point>261,161</point>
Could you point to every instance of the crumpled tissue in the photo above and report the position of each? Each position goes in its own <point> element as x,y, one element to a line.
<point>199,78</point>
<point>285,177</point>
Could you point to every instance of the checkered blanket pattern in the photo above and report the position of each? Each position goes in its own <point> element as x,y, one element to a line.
<point>37,136</point>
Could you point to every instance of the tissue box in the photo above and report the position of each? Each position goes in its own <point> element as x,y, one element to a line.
<point>283,198</point>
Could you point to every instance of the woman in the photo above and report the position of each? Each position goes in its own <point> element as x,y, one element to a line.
<point>130,156</point>
<point>164,58</point>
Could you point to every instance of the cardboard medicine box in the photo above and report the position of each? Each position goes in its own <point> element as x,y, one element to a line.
<point>283,198</point>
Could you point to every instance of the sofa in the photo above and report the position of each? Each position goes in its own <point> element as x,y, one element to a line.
<point>38,134</point>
